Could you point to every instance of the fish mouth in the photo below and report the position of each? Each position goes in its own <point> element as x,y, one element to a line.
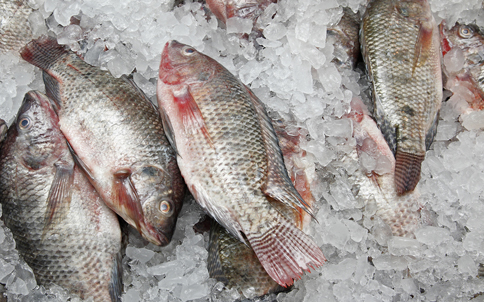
<point>155,237</point>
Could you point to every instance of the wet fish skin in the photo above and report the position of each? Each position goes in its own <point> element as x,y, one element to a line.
<point>230,159</point>
<point>15,29</point>
<point>400,46</point>
<point>61,227</point>
<point>234,263</point>
<point>118,138</point>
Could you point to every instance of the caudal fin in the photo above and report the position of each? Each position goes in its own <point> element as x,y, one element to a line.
<point>43,52</point>
<point>285,251</point>
<point>407,171</point>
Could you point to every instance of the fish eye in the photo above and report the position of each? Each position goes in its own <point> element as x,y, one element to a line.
<point>465,32</point>
<point>25,123</point>
<point>188,51</point>
<point>165,207</point>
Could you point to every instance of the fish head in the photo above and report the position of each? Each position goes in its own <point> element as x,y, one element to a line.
<point>160,203</point>
<point>36,131</point>
<point>183,64</point>
<point>467,37</point>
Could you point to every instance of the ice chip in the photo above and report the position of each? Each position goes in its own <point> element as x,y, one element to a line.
<point>473,120</point>
<point>389,262</point>
<point>239,25</point>
<point>274,31</point>
<point>454,60</point>
<point>431,235</point>
<point>467,266</point>
<point>142,255</point>
<point>71,34</point>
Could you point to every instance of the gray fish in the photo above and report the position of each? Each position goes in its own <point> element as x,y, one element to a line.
<point>61,227</point>
<point>230,158</point>
<point>400,46</point>
<point>15,29</point>
<point>117,136</point>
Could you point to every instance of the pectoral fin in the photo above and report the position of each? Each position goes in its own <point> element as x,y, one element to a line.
<point>59,198</point>
<point>127,199</point>
<point>423,46</point>
<point>169,131</point>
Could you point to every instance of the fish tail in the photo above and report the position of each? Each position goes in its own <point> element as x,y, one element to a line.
<point>285,251</point>
<point>407,171</point>
<point>43,52</point>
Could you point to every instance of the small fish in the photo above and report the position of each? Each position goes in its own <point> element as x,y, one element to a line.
<point>401,48</point>
<point>15,29</point>
<point>234,263</point>
<point>117,137</point>
<point>61,227</point>
<point>229,155</point>
<point>404,214</point>
<point>344,36</point>
<point>467,81</point>
<point>246,9</point>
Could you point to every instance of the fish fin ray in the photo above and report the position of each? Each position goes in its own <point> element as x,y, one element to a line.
<point>407,171</point>
<point>429,138</point>
<point>214,265</point>
<point>59,198</point>
<point>52,88</point>
<point>127,197</point>
<point>285,251</point>
<point>278,184</point>
<point>43,52</point>
<point>168,129</point>
<point>423,46</point>
<point>388,130</point>
<point>85,169</point>
<point>116,282</point>
<point>192,117</point>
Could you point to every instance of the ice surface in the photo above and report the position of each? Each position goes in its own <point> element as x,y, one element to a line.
<point>288,66</point>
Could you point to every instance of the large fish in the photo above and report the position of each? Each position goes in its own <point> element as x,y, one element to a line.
<point>234,263</point>
<point>229,156</point>
<point>467,79</point>
<point>118,139</point>
<point>61,227</point>
<point>404,214</point>
<point>15,29</point>
<point>400,46</point>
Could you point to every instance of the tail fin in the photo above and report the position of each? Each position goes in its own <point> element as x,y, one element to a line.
<point>407,171</point>
<point>43,52</point>
<point>285,251</point>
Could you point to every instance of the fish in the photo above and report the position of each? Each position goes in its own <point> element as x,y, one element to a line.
<point>234,263</point>
<point>404,214</point>
<point>229,156</point>
<point>61,227</point>
<point>15,29</point>
<point>401,49</point>
<point>117,137</point>
<point>344,36</point>
<point>468,81</point>
<point>246,9</point>
<point>3,130</point>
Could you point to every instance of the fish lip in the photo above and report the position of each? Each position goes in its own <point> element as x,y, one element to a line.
<point>156,237</point>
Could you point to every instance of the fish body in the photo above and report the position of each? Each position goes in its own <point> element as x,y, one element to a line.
<point>234,263</point>
<point>344,36</point>
<point>469,40</point>
<point>15,29</point>
<point>247,9</point>
<point>404,214</point>
<point>400,46</point>
<point>117,136</point>
<point>61,227</point>
<point>230,159</point>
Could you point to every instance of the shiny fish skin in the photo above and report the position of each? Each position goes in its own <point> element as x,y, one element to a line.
<point>15,29</point>
<point>400,46</point>
<point>229,156</point>
<point>235,264</point>
<point>79,249</point>
<point>118,137</point>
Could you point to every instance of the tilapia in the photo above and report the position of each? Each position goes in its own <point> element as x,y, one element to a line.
<point>234,263</point>
<point>344,36</point>
<point>230,159</point>
<point>15,29</point>
<point>467,77</point>
<point>118,139</point>
<point>61,227</point>
<point>400,46</point>
<point>404,214</point>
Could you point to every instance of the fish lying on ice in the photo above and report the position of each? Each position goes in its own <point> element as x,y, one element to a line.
<point>61,227</point>
<point>400,46</point>
<point>229,156</point>
<point>15,29</point>
<point>118,139</point>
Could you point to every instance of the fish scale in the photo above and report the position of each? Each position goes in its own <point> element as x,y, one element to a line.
<point>400,45</point>
<point>229,156</point>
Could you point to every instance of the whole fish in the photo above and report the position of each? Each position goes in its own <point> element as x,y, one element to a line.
<point>118,139</point>
<point>15,29</point>
<point>404,214</point>
<point>469,40</point>
<point>247,9</point>
<point>234,263</point>
<point>61,227</point>
<point>344,36</point>
<point>400,46</point>
<point>229,156</point>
